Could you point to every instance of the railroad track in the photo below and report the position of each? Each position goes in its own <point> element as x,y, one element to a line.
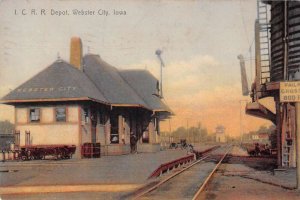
<point>187,183</point>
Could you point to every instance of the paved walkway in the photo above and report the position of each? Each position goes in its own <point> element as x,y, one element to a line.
<point>109,175</point>
<point>126,169</point>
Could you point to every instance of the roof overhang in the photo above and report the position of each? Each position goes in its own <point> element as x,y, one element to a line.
<point>130,105</point>
<point>163,115</point>
<point>16,101</point>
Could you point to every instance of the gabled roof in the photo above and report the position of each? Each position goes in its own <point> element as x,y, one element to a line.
<point>58,81</point>
<point>144,83</point>
<point>97,81</point>
<point>108,80</point>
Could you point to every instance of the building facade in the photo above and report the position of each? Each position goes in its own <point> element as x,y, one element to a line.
<point>88,101</point>
<point>220,134</point>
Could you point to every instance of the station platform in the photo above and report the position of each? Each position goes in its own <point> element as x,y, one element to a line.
<point>124,169</point>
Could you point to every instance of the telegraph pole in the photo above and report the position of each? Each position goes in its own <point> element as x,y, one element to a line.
<point>187,129</point>
<point>241,121</point>
<point>298,143</point>
<point>170,131</point>
<point>158,52</point>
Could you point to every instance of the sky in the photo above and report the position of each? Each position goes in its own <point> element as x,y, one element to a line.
<point>200,41</point>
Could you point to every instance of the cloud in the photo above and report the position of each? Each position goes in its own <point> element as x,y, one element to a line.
<point>187,75</point>
<point>200,89</point>
<point>197,91</point>
<point>221,105</point>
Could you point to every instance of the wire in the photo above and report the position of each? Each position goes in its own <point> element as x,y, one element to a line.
<point>250,44</point>
<point>243,22</point>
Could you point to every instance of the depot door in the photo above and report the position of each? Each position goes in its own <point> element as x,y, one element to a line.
<point>93,125</point>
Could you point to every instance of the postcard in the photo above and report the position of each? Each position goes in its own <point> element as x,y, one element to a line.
<point>162,99</point>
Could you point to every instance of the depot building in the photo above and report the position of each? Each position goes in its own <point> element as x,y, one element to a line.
<point>87,100</point>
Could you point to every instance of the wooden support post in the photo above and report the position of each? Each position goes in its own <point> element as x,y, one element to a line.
<point>257,60</point>
<point>278,130</point>
<point>298,143</point>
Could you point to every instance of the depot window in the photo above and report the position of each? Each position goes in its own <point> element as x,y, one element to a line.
<point>85,115</point>
<point>34,114</point>
<point>60,114</point>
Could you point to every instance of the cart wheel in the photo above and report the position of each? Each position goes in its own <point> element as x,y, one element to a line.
<point>23,158</point>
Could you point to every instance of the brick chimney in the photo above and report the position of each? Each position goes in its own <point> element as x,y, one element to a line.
<point>76,52</point>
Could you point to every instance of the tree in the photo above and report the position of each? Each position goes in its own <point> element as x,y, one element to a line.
<point>194,134</point>
<point>179,133</point>
<point>204,134</point>
<point>6,127</point>
<point>263,129</point>
<point>271,131</point>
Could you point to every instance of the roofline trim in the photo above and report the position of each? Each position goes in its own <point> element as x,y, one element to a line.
<point>129,105</point>
<point>71,99</point>
<point>55,99</point>
<point>98,101</point>
<point>161,110</point>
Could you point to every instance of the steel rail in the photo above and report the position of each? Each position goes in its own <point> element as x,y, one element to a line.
<point>210,176</point>
<point>169,177</point>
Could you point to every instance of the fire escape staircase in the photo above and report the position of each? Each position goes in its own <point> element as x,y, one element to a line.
<point>264,37</point>
<point>263,63</point>
<point>258,110</point>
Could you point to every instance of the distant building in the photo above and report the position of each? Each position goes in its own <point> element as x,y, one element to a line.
<point>220,134</point>
<point>262,138</point>
<point>88,101</point>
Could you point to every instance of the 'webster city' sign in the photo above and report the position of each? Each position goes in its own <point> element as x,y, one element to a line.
<point>290,91</point>
<point>47,89</point>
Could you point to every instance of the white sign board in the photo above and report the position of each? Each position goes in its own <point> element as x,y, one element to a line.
<point>290,91</point>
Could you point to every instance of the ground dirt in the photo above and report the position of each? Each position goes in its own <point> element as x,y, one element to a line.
<point>250,181</point>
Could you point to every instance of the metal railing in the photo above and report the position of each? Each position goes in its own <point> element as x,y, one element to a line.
<point>163,168</point>
<point>171,165</point>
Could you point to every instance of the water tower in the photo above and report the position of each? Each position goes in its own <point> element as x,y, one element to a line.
<point>277,58</point>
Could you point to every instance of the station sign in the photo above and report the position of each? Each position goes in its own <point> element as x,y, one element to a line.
<point>46,89</point>
<point>289,91</point>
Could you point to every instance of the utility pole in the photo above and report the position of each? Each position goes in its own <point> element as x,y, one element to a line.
<point>241,121</point>
<point>298,143</point>
<point>187,129</point>
<point>158,52</point>
<point>170,131</point>
<point>199,135</point>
